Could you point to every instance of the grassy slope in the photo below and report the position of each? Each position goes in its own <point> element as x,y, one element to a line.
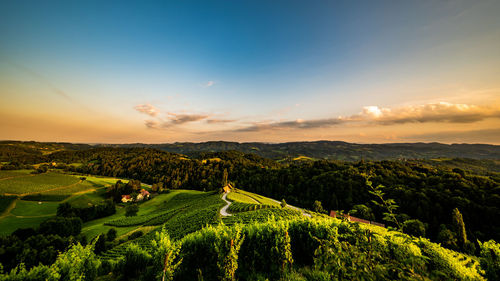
<point>50,189</point>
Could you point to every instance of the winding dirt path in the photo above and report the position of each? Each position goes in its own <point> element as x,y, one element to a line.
<point>223,211</point>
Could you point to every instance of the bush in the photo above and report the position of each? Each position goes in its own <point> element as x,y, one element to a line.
<point>131,210</point>
<point>135,235</point>
<point>61,226</point>
<point>490,259</point>
<point>165,256</point>
<point>136,260</point>
<point>111,235</point>
<point>266,249</point>
<point>414,227</point>
<point>213,251</point>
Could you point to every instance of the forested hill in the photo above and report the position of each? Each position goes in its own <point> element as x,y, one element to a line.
<point>330,150</point>
<point>337,150</point>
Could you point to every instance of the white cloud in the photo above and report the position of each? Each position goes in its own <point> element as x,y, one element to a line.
<point>209,84</point>
<point>147,109</point>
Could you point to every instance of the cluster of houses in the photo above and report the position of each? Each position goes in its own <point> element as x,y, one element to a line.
<point>142,195</point>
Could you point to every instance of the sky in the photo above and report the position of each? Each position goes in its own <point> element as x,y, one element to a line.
<point>266,71</point>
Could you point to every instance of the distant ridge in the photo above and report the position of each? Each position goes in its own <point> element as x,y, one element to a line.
<point>334,150</point>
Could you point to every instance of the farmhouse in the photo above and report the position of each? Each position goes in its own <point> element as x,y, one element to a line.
<point>143,195</point>
<point>126,198</point>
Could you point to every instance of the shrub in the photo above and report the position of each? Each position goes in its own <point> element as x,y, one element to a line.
<point>135,261</point>
<point>266,248</point>
<point>131,210</point>
<point>165,256</point>
<point>208,247</point>
<point>414,227</point>
<point>490,259</point>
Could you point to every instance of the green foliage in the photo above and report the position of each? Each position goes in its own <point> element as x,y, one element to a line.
<point>236,207</point>
<point>77,264</point>
<point>266,248</point>
<point>213,251</point>
<point>490,259</point>
<point>111,235</point>
<point>131,210</point>
<point>459,226</point>
<point>36,183</point>
<point>389,205</point>
<point>414,228</point>
<point>362,211</point>
<point>135,261</point>
<point>165,255</point>
<point>283,203</point>
<point>318,207</point>
<point>5,202</point>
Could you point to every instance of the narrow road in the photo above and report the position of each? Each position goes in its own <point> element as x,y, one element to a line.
<point>223,211</point>
<point>294,208</point>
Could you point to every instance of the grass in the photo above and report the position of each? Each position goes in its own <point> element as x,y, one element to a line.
<point>32,208</point>
<point>261,199</point>
<point>11,223</point>
<point>36,183</point>
<point>13,173</point>
<point>238,196</point>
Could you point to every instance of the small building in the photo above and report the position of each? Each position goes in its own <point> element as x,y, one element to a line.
<point>227,188</point>
<point>126,198</point>
<point>144,194</point>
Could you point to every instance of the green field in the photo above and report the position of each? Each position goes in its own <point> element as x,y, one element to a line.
<point>36,183</point>
<point>34,209</point>
<point>14,173</point>
<point>37,196</point>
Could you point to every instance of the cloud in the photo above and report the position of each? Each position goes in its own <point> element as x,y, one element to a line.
<point>218,121</point>
<point>147,109</point>
<point>152,124</point>
<point>209,84</point>
<point>178,119</point>
<point>441,112</point>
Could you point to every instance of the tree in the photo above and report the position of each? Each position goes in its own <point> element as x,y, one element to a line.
<point>283,203</point>
<point>362,211</point>
<point>318,207</point>
<point>224,177</point>
<point>131,210</point>
<point>414,227</point>
<point>459,227</point>
<point>111,235</point>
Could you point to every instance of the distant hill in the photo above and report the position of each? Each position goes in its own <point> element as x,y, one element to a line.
<point>330,150</point>
<point>336,150</point>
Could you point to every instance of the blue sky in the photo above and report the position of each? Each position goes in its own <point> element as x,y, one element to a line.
<point>251,64</point>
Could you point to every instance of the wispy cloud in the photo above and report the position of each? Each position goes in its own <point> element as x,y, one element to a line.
<point>220,121</point>
<point>209,84</point>
<point>178,119</point>
<point>147,109</point>
<point>441,112</point>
